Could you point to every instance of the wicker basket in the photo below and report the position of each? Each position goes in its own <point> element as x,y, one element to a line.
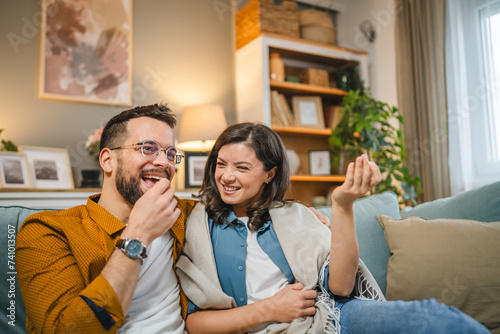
<point>263,16</point>
<point>317,77</point>
<point>317,26</point>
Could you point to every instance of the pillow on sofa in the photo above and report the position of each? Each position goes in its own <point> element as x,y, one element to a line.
<point>455,261</point>
<point>373,249</point>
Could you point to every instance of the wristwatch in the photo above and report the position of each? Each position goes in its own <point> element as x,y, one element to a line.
<point>132,247</point>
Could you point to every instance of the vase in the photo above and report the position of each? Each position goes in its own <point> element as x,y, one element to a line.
<point>91,178</point>
<point>276,67</point>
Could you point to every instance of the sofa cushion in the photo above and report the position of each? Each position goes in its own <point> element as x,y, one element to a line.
<point>12,313</point>
<point>373,248</point>
<point>481,204</point>
<point>453,260</point>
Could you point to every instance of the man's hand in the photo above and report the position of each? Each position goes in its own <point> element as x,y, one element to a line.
<point>322,218</point>
<point>153,214</point>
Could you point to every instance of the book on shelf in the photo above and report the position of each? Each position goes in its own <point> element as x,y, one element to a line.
<point>332,116</point>
<point>281,114</point>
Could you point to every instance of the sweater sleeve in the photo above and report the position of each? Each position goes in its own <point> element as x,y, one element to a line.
<point>60,297</point>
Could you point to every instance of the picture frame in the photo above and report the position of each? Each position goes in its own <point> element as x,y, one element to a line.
<point>86,51</point>
<point>50,167</point>
<point>194,168</point>
<point>319,162</point>
<point>14,171</point>
<point>308,112</point>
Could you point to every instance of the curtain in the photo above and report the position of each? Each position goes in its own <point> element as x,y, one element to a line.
<point>421,78</point>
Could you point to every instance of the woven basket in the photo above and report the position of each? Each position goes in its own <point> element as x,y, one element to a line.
<point>317,77</point>
<point>263,16</point>
<point>318,33</point>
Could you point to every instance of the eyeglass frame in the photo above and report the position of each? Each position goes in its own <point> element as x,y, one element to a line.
<point>178,156</point>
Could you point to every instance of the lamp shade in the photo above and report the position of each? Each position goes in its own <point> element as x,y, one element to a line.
<point>200,126</point>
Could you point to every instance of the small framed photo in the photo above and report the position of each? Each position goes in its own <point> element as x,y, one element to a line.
<point>50,167</point>
<point>319,162</point>
<point>308,111</point>
<point>195,168</point>
<point>14,171</point>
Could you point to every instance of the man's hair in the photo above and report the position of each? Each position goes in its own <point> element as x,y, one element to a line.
<point>115,131</point>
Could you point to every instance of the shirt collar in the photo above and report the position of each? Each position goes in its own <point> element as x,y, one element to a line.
<point>102,217</point>
<point>232,221</point>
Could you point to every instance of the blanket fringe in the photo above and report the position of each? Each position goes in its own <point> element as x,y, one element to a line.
<point>333,319</point>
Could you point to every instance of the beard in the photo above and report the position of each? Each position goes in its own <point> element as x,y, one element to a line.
<point>129,187</point>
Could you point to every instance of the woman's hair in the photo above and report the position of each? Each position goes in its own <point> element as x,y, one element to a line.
<point>270,150</point>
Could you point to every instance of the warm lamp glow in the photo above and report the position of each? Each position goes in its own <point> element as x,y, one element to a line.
<point>200,127</point>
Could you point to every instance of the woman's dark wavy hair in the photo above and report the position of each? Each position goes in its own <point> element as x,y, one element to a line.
<point>270,150</point>
<point>115,131</point>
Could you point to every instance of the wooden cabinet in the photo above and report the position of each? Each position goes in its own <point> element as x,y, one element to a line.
<point>253,98</point>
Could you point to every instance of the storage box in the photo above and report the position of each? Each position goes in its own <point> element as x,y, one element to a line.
<point>317,77</point>
<point>263,16</point>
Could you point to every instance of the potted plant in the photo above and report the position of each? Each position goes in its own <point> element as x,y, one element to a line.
<point>365,127</point>
<point>8,145</point>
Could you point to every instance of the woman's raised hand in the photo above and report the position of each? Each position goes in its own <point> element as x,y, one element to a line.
<point>362,175</point>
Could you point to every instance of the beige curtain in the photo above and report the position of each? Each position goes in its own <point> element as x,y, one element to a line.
<point>420,57</point>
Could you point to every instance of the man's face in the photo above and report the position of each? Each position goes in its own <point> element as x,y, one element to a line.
<point>136,174</point>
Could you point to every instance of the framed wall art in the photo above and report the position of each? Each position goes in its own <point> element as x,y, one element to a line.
<point>86,51</point>
<point>195,168</point>
<point>14,171</point>
<point>50,167</point>
<point>319,162</point>
<point>308,111</point>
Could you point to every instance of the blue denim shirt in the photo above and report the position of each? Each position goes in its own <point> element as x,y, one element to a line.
<point>229,242</point>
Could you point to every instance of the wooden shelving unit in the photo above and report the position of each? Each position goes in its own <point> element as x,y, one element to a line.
<point>253,92</point>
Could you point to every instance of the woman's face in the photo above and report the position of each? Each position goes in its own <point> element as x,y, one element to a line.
<point>240,177</point>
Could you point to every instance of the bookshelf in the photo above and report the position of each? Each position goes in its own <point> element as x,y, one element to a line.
<point>254,98</point>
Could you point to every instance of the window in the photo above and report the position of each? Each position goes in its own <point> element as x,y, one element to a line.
<point>473,84</point>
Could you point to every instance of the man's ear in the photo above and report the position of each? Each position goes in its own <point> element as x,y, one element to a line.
<point>106,160</point>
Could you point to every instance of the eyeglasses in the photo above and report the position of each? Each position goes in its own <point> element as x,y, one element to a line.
<point>151,150</point>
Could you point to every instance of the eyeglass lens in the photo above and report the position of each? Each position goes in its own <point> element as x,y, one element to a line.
<point>152,150</point>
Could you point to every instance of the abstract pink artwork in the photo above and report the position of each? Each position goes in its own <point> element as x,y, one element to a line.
<point>87,51</point>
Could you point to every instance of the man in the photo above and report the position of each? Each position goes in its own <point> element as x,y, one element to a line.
<point>108,266</point>
<point>76,270</point>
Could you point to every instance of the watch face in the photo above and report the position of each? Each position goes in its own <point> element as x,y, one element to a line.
<point>134,248</point>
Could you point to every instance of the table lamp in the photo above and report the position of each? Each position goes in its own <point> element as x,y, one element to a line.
<point>200,126</point>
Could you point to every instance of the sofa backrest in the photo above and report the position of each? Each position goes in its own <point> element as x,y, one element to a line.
<point>12,313</point>
<point>481,204</point>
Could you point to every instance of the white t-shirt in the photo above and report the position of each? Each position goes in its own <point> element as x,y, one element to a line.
<point>263,277</point>
<point>155,305</point>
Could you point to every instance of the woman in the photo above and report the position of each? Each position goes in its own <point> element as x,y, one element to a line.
<point>254,261</point>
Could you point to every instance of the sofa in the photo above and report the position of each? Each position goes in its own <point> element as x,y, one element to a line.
<point>452,253</point>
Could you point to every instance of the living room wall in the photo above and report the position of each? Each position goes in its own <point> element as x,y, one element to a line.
<point>182,55</point>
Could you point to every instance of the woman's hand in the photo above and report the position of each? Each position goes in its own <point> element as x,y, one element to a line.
<point>362,175</point>
<point>292,302</point>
